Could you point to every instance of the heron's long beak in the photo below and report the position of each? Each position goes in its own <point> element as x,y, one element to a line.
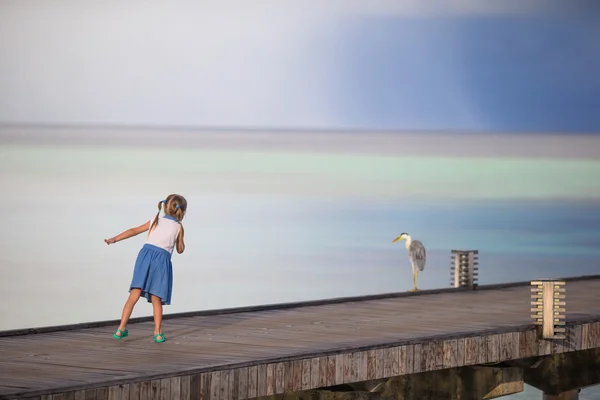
<point>398,238</point>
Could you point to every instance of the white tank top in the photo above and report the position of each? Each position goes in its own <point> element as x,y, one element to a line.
<point>164,234</point>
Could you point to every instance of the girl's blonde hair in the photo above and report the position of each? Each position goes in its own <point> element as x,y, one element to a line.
<point>175,206</point>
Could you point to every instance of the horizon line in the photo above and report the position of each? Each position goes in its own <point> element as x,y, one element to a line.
<point>281,129</point>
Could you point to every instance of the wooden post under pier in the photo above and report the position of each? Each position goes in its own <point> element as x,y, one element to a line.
<point>549,301</point>
<point>464,268</point>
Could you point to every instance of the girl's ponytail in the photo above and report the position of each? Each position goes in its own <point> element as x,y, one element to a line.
<point>160,203</point>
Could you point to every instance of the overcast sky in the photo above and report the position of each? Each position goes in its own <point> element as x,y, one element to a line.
<point>377,64</point>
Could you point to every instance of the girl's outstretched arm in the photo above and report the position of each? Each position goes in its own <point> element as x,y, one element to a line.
<point>128,233</point>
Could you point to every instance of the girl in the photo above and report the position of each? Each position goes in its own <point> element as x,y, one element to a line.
<point>153,271</point>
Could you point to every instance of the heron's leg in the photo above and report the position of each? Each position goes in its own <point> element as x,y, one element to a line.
<point>416,278</point>
<point>413,277</point>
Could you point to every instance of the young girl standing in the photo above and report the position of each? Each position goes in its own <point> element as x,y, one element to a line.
<point>153,271</point>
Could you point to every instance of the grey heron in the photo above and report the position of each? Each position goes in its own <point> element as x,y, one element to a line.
<point>416,254</point>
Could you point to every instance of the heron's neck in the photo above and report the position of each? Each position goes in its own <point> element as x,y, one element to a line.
<point>407,242</point>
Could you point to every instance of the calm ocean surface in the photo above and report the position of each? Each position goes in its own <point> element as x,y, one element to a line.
<point>278,225</point>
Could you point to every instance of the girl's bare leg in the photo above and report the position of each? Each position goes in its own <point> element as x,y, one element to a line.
<point>158,312</point>
<point>134,296</point>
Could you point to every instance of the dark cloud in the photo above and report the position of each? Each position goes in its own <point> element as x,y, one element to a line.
<point>500,74</point>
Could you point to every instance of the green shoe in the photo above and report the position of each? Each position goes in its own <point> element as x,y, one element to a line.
<point>159,338</point>
<point>123,334</point>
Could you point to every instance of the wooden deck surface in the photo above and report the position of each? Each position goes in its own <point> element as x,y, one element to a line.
<point>41,363</point>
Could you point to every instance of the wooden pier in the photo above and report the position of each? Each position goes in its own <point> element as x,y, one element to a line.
<point>259,351</point>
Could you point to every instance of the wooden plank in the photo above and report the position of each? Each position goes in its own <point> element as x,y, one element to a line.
<point>101,393</point>
<point>586,336</point>
<point>242,383</point>
<point>450,349</point>
<point>90,394</point>
<point>574,337</point>
<point>548,309</point>
<point>288,377</point>
<point>509,346</point>
<point>224,388</point>
<point>215,385</point>
<point>145,390</point>
<point>472,350</point>
<point>330,379</point>
<point>388,357</point>
<point>261,387</point>
<point>595,338</point>
<point>155,389</point>
<point>184,388</point>
<point>347,378</point>
<point>379,363</point>
<point>314,372</point>
<point>322,372</point>
<point>395,368</point>
<point>297,381</point>
<point>206,386</point>
<point>270,379</point>
<point>279,377</point>
<point>175,391</point>
<point>124,391</point>
<point>437,347</point>
<point>528,344</point>
<point>339,369</point>
<point>352,367</point>
<point>586,342</point>
<point>114,393</point>
<point>492,343</point>
<point>134,391</point>
<point>417,357</point>
<point>371,364</point>
<point>410,359</point>
<point>426,356</point>
<point>306,373</point>
<point>361,366</point>
<point>80,395</point>
<point>402,360</point>
<point>433,357</point>
<point>544,347</point>
<point>196,387</point>
<point>460,352</point>
<point>165,389</point>
<point>253,382</point>
<point>234,383</point>
<point>483,350</point>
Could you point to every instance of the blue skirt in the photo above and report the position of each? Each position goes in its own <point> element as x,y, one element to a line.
<point>153,273</point>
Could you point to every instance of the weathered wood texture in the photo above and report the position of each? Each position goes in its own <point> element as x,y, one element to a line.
<point>245,355</point>
<point>548,301</point>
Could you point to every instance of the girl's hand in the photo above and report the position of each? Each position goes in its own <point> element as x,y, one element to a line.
<point>110,241</point>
